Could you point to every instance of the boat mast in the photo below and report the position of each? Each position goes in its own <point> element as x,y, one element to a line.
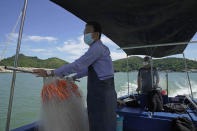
<point>151,65</point>
<point>167,81</point>
<point>15,65</point>
<point>188,78</point>
<point>128,72</point>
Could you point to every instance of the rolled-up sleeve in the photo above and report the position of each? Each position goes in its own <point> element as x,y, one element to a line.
<point>81,64</point>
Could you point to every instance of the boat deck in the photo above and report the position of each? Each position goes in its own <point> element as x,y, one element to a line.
<point>138,119</point>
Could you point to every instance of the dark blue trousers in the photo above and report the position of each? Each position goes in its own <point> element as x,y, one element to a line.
<point>101,102</point>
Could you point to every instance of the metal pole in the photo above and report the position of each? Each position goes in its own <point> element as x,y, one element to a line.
<point>18,69</point>
<point>151,65</point>
<point>157,45</point>
<point>188,78</point>
<point>15,65</point>
<point>191,101</point>
<point>167,82</point>
<point>128,72</point>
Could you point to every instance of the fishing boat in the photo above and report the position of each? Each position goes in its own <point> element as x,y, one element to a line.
<point>139,27</point>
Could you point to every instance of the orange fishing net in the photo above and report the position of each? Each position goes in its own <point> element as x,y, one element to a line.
<point>61,89</point>
<point>63,107</point>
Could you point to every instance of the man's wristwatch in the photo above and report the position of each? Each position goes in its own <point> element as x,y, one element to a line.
<point>48,72</point>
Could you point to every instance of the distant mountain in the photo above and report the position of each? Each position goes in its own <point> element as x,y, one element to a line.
<point>173,64</point>
<point>134,63</point>
<point>28,61</point>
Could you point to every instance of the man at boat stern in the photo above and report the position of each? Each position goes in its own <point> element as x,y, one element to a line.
<point>145,82</point>
<point>96,63</point>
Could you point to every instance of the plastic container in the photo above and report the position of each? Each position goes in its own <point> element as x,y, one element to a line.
<point>119,121</point>
<point>148,114</point>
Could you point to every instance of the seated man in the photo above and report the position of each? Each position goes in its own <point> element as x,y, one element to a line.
<point>145,79</point>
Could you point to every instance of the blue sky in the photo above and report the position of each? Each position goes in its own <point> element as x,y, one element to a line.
<point>51,31</point>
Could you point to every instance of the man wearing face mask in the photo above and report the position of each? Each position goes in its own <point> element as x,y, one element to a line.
<point>145,78</point>
<point>96,63</point>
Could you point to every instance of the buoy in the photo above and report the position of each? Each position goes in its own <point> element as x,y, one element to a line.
<point>163,92</point>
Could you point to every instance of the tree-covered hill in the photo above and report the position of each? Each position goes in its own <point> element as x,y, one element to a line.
<point>28,61</point>
<point>134,62</point>
<point>173,64</point>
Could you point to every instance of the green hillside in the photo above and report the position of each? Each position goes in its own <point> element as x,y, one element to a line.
<point>28,61</point>
<point>135,62</point>
<point>173,64</point>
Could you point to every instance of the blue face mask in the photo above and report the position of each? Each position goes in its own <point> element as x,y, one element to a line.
<point>145,63</point>
<point>88,39</point>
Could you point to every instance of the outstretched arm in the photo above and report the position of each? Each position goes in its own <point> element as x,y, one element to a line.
<point>94,52</point>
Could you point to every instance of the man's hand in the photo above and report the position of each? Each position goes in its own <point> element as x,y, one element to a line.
<point>156,86</point>
<point>72,79</point>
<point>40,72</point>
<point>138,89</point>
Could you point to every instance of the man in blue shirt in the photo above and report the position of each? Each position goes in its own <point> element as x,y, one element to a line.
<point>96,63</point>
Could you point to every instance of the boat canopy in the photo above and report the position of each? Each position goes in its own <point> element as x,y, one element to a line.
<point>131,23</point>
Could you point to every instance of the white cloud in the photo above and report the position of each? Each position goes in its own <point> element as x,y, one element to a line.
<point>12,36</point>
<point>75,47</point>
<point>36,38</point>
<point>118,55</point>
<point>42,53</point>
<point>74,57</point>
<point>41,38</point>
<point>106,40</point>
<point>38,50</point>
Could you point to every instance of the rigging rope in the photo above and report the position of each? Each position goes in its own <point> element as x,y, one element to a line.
<point>188,78</point>
<point>128,72</point>
<point>9,38</point>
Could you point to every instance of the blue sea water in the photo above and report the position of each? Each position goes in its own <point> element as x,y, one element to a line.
<point>27,100</point>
